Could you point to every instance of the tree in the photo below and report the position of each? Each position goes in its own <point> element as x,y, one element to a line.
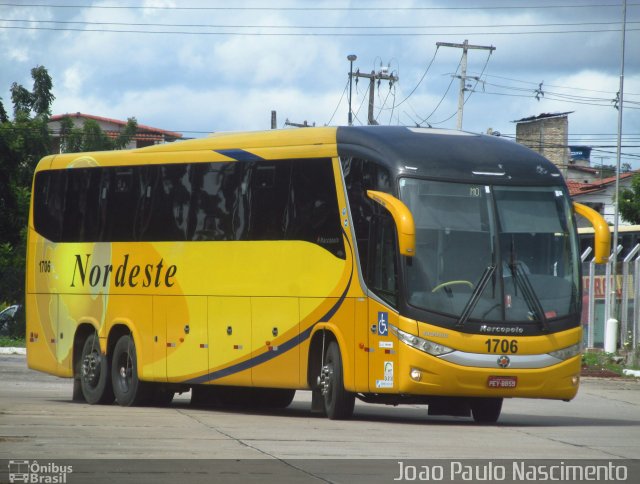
<point>23,142</point>
<point>629,206</point>
<point>38,100</point>
<point>90,137</point>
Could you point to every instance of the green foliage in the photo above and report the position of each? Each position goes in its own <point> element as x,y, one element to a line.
<point>630,202</point>
<point>23,142</point>
<point>3,114</point>
<point>38,100</point>
<point>91,137</point>
<point>601,361</point>
<point>10,342</point>
<point>41,96</point>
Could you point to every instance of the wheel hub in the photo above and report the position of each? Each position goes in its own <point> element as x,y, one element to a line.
<point>91,368</point>
<point>324,380</point>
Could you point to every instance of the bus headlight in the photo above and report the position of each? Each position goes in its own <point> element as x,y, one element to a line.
<point>435,349</point>
<point>568,352</point>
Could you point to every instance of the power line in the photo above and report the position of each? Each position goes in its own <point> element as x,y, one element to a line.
<point>339,102</point>
<point>530,96</point>
<point>421,79</point>
<point>336,9</point>
<point>314,34</point>
<point>315,26</point>
<point>556,86</point>
<point>553,94</point>
<point>425,120</point>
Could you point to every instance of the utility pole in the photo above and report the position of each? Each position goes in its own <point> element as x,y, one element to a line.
<point>465,46</point>
<point>611,325</point>
<point>351,58</point>
<point>379,76</point>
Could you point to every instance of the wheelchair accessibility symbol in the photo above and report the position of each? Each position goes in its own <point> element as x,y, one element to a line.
<point>383,323</point>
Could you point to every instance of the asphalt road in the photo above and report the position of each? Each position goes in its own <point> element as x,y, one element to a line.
<point>39,421</point>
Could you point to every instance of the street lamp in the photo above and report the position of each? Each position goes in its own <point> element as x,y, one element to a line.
<point>351,58</point>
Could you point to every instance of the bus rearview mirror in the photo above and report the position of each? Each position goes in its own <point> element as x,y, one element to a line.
<point>602,234</point>
<point>403,219</point>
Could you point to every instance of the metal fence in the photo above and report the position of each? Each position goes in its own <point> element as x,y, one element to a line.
<point>598,295</point>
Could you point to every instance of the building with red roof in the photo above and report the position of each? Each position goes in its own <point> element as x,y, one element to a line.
<point>145,135</point>
<point>599,194</point>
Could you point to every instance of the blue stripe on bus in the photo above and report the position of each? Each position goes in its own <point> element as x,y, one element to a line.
<point>239,155</point>
<point>283,348</point>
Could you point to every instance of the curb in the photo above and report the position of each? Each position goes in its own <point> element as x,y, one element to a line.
<point>13,351</point>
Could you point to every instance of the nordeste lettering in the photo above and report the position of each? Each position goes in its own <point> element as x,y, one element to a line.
<point>126,274</point>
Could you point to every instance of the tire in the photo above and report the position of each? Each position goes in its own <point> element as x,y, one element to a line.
<point>338,402</point>
<point>127,388</point>
<point>486,410</point>
<point>95,380</point>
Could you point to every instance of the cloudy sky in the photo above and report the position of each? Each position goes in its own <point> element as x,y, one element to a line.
<point>196,66</point>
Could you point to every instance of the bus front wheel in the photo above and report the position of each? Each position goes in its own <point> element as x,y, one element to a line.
<point>128,389</point>
<point>338,402</point>
<point>486,410</point>
<point>95,383</point>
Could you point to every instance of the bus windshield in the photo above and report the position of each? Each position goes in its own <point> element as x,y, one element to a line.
<point>491,253</point>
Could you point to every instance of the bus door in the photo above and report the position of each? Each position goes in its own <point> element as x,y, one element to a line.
<point>382,278</point>
<point>383,357</point>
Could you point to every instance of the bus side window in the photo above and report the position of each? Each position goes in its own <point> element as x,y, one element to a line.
<point>80,221</point>
<point>268,193</point>
<point>218,202</point>
<point>164,214</point>
<point>48,207</point>
<point>122,196</point>
<point>360,176</point>
<point>312,212</point>
<point>382,272</point>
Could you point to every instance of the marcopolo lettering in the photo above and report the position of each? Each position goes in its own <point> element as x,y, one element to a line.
<point>124,274</point>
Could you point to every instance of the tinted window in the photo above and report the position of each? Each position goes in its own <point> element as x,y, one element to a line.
<point>360,176</point>
<point>266,200</point>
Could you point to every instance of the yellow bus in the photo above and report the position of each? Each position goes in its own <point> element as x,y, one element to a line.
<point>392,264</point>
<point>628,238</point>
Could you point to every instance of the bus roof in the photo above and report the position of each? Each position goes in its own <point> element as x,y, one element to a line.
<point>448,155</point>
<point>425,152</point>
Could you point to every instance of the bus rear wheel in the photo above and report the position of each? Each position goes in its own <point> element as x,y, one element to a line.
<point>95,382</point>
<point>338,402</point>
<point>486,410</point>
<point>127,387</point>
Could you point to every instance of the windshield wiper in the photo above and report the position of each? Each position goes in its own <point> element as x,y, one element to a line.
<point>475,295</point>
<point>533,302</point>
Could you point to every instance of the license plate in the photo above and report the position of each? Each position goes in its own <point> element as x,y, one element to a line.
<point>502,381</point>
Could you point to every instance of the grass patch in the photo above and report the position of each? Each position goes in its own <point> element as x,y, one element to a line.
<point>594,362</point>
<point>8,342</point>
